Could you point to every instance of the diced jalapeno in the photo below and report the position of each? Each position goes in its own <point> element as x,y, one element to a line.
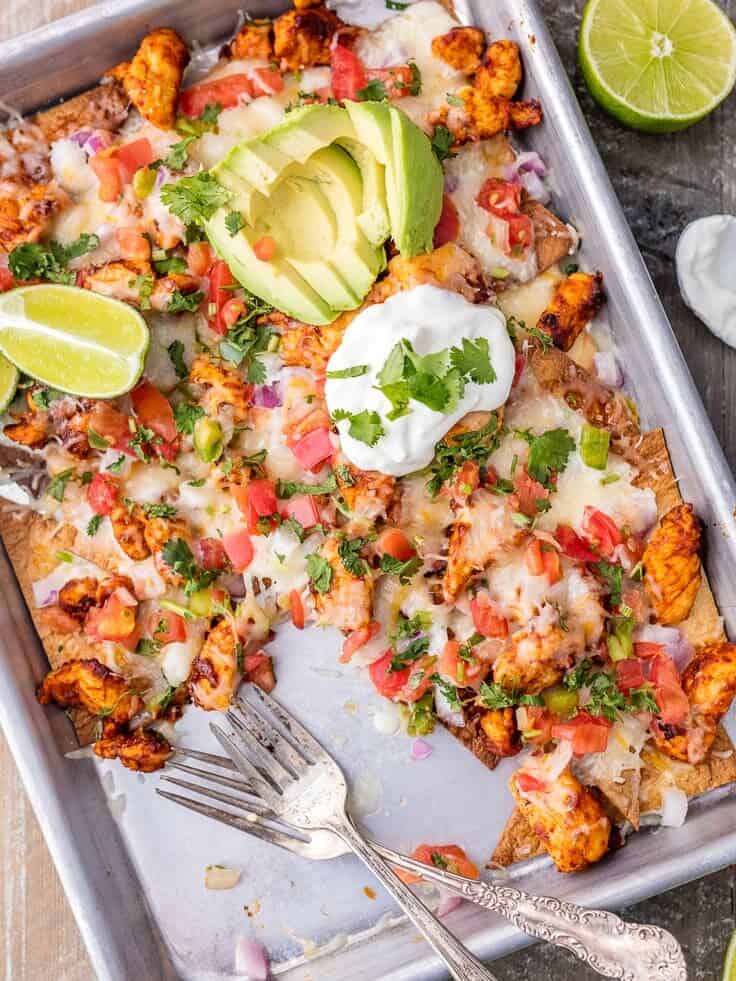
<point>594,445</point>
<point>201,603</point>
<point>620,642</point>
<point>208,439</point>
<point>560,700</point>
<point>144,180</point>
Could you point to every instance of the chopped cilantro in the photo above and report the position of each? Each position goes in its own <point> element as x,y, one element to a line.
<point>454,100</point>
<point>141,439</point>
<point>349,551</point>
<point>365,426</point>
<point>452,452</point>
<point>195,199</point>
<point>159,510</point>
<point>473,360</point>
<point>176,354</point>
<point>43,397</point>
<point>320,572</point>
<point>395,5</point>
<point>184,302</point>
<point>412,652</point>
<point>234,221</point>
<point>613,576</point>
<point>494,696</point>
<point>178,556</point>
<point>147,647</point>
<point>345,475</point>
<point>449,691</point>
<point>176,158</point>
<point>442,141</point>
<point>409,626</point>
<point>57,487</point>
<point>373,91</point>
<point>549,454</point>
<point>170,264</point>
<point>93,525</point>
<point>404,570</point>
<point>96,441</point>
<point>439,860</point>
<point>143,285</point>
<point>289,488</point>
<point>355,372</point>
<point>49,262</point>
<point>186,415</point>
<point>415,85</point>
<point>186,126</point>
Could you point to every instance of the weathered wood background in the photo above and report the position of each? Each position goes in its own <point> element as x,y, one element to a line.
<point>663,183</point>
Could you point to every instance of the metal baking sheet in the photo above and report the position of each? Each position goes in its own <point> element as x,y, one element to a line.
<point>133,865</point>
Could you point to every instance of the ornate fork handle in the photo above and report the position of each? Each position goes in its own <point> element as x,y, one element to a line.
<point>628,951</point>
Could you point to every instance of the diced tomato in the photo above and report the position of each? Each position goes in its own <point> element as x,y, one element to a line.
<point>458,669</point>
<point>210,553</point>
<point>266,81</point>
<point>265,248</point>
<point>348,74</point>
<point>451,858</point>
<point>420,679</point>
<point>262,497</point>
<point>258,669</point>
<point>447,228</point>
<point>109,423</point>
<point>132,156</point>
<point>115,620</point>
<point>587,733</point>
<point>646,649</point>
<point>303,508</point>
<point>529,491</point>
<point>167,627</point>
<point>574,546</point>
<point>132,244</point>
<point>357,639</point>
<point>6,279</point>
<point>398,80</point>
<point>629,674</point>
<point>521,233</point>
<point>538,722</point>
<point>393,542</point>
<point>552,565</point>
<point>102,493</point>
<point>633,597</point>
<point>107,171</point>
<point>486,618</point>
<point>499,197</point>
<point>232,311</point>
<point>239,549</point>
<point>130,643</point>
<point>154,410</point>
<point>225,91</point>
<point>199,258</point>
<point>534,558</point>
<point>314,449</point>
<point>528,783</point>
<point>387,683</point>
<point>601,531</point>
<point>220,277</point>
<point>297,609</point>
<point>672,701</point>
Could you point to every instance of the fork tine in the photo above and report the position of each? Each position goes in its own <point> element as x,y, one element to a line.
<point>197,754</point>
<point>269,737</point>
<point>249,807</point>
<point>304,739</point>
<point>235,782</point>
<point>260,750</point>
<point>256,829</point>
<point>265,789</point>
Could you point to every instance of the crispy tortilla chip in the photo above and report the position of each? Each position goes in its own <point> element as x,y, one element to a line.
<point>517,842</point>
<point>471,735</point>
<point>621,800</point>
<point>662,772</point>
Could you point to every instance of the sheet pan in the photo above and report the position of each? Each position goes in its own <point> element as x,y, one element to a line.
<point>132,865</point>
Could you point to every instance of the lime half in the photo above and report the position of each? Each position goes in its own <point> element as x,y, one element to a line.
<point>72,339</point>
<point>657,65</point>
<point>9,376</point>
<point>729,962</point>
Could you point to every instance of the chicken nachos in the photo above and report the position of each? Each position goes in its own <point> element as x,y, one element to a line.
<point>376,396</point>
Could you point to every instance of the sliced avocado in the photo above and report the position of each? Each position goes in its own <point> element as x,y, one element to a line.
<point>275,281</point>
<point>244,197</point>
<point>373,219</point>
<point>413,173</point>
<point>308,129</point>
<point>259,163</point>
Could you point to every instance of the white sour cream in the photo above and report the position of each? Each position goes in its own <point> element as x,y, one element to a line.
<point>431,319</point>
<point>705,272</point>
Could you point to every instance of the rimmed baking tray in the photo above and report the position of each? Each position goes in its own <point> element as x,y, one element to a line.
<point>131,864</point>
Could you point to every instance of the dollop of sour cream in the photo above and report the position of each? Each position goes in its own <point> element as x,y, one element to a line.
<point>431,319</point>
<point>705,259</point>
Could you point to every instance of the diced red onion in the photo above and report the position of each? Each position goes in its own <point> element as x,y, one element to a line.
<point>267,396</point>
<point>452,182</point>
<point>162,175</point>
<point>251,960</point>
<point>445,711</point>
<point>608,369</point>
<point>99,140</point>
<point>673,641</point>
<point>674,807</point>
<point>448,902</point>
<point>531,162</point>
<point>50,599</point>
<point>234,584</point>
<point>420,749</point>
<point>81,136</point>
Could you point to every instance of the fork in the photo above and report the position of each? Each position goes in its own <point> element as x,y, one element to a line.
<point>633,952</point>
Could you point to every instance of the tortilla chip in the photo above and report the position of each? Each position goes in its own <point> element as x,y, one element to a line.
<point>517,842</point>
<point>621,800</point>
<point>662,772</point>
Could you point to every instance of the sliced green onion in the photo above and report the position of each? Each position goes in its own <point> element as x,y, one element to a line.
<point>498,272</point>
<point>594,445</point>
<point>143,182</point>
<point>610,478</point>
<point>172,607</point>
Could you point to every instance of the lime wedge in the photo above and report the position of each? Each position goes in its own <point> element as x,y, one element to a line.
<point>9,376</point>
<point>659,65</point>
<point>72,339</point>
<point>729,962</point>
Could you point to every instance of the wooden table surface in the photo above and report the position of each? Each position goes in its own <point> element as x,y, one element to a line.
<point>663,183</point>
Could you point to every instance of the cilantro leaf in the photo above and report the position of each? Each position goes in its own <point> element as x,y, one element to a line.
<point>355,372</point>
<point>373,91</point>
<point>176,158</point>
<point>57,487</point>
<point>143,284</point>
<point>442,141</point>
<point>449,691</point>
<point>186,415</point>
<point>96,441</point>
<point>412,652</point>
<point>93,525</point>
<point>184,302</point>
<point>176,354</point>
<point>473,360</point>
<point>415,85</point>
<point>195,199</point>
<point>117,465</point>
<point>494,696</point>
<point>206,122</point>
<point>613,576</point>
<point>170,264</point>
<point>404,570</point>
<point>549,454</point>
<point>32,261</point>
<point>289,488</point>
<point>364,426</point>
<point>349,551</point>
<point>178,556</point>
<point>409,626</point>
<point>159,510</point>
<point>234,221</point>
<point>345,475</point>
<point>320,572</point>
<point>452,452</point>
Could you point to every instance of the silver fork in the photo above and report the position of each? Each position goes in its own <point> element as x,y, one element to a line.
<point>632,952</point>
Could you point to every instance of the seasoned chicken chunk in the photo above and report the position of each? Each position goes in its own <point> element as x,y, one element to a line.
<point>165,287</point>
<point>302,37</point>
<point>31,428</point>
<point>500,74</point>
<point>216,671</point>
<point>309,346</point>
<point>709,681</point>
<point>253,40</point>
<point>158,531</point>
<point>566,816</point>
<point>78,596</point>
<point>119,280</point>
<point>90,685</point>
<point>345,601</point>
<point>672,564</point>
<point>576,300</point>
<point>27,211</point>
<point>143,750</point>
<point>461,48</point>
<point>499,728</point>
<point>153,78</point>
<point>367,493</point>
<point>536,657</point>
<point>482,529</point>
<point>553,239</point>
<point>224,385</point>
<point>129,529</point>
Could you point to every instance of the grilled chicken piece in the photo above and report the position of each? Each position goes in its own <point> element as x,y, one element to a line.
<point>129,529</point>
<point>672,564</point>
<point>215,673</point>
<point>27,211</point>
<point>224,385</point>
<point>143,750</point>
<point>103,107</point>
<point>499,728</point>
<point>482,529</point>
<point>119,280</point>
<point>348,601</point>
<point>576,300</point>
<point>90,685</point>
<point>302,37</point>
<point>553,239</point>
<point>461,48</point>
<point>32,427</point>
<point>153,78</point>
<point>565,815</point>
<point>309,346</point>
<point>253,40</point>
<point>166,286</point>
<point>709,681</point>
<point>78,596</point>
<point>536,657</point>
<point>158,531</point>
<point>500,74</point>
<point>367,493</point>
